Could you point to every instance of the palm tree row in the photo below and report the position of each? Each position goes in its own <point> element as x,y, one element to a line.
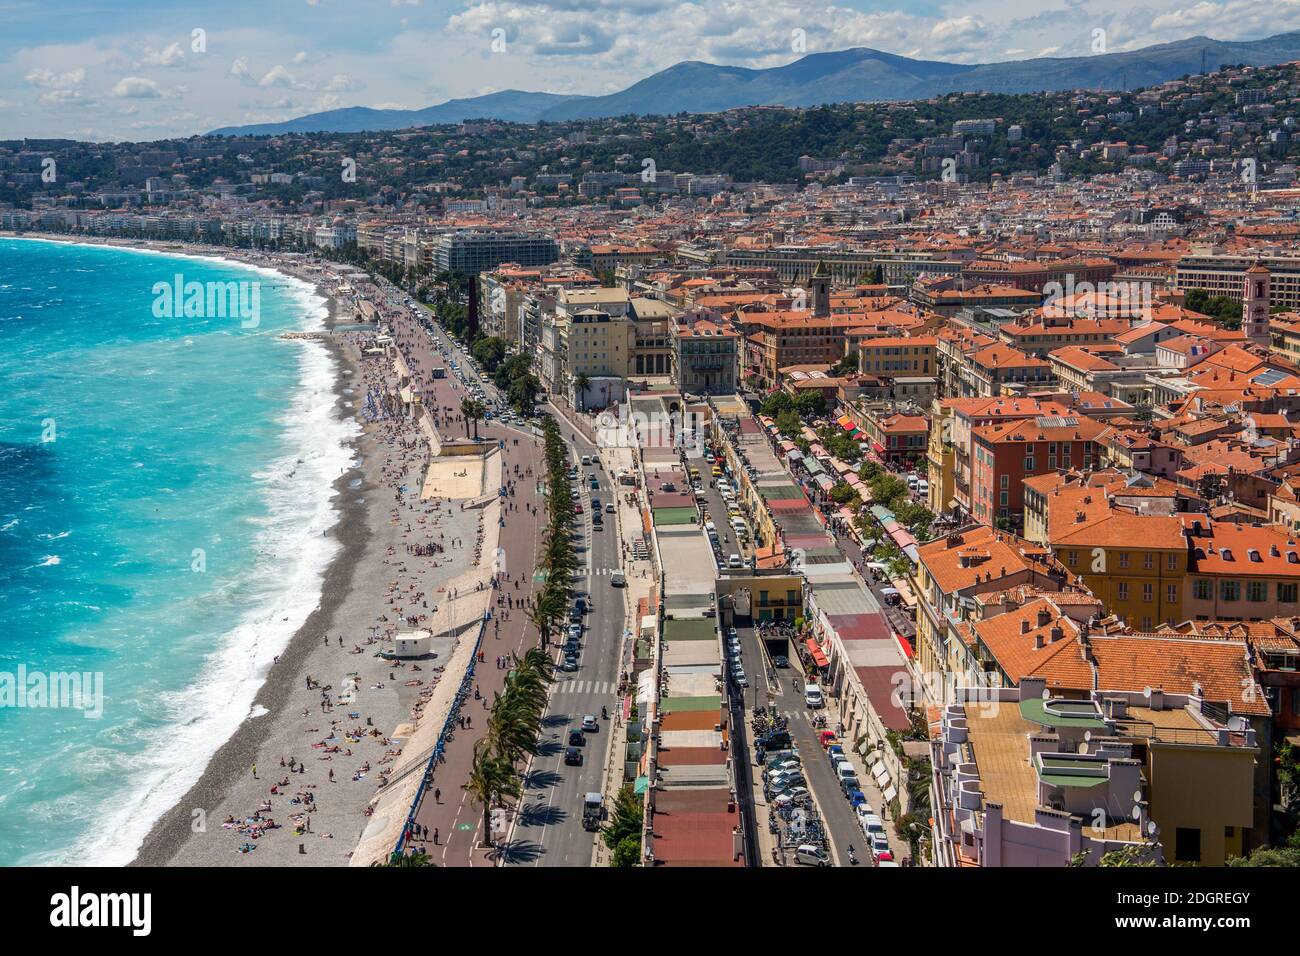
<point>515,723</point>
<point>513,728</point>
<point>556,557</point>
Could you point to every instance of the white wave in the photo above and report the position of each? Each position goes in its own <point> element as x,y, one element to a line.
<point>49,561</point>
<point>295,552</point>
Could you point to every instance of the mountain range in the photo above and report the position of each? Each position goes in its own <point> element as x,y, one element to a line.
<point>856,75</point>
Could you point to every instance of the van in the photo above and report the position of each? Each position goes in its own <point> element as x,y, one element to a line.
<point>586,459</point>
<point>810,855</point>
<point>812,696</point>
<point>922,487</point>
<point>617,579</point>
<point>734,561</point>
<point>912,481</point>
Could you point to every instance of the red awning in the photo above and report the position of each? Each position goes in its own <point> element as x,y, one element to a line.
<point>815,650</point>
<point>880,449</point>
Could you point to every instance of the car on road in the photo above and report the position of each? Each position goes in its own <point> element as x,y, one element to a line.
<point>733,634</point>
<point>589,723</point>
<point>609,508</point>
<point>780,661</point>
<point>616,579</point>
<point>573,757</point>
<point>576,739</point>
<point>810,855</point>
<point>734,561</point>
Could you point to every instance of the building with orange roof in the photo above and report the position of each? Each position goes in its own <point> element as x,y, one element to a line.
<point>1003,454</point>
<point>951,570</point>
<point>1240,572</point>
<point>1002,370</point>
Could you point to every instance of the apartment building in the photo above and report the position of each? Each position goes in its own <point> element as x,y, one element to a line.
<point>1136,564</point>
<point>1076,761</point>
<point>777,340</point>
<point>1226,275</point>
<point>891,357</point>
<point>705,358</point>
<point>952,571</point>
<point>1004,454</point>
<point>1240,572</point>
<point>472,252</point>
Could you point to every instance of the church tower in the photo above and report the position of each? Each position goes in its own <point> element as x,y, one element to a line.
<point>1254,304</point>
<point>821,291</point>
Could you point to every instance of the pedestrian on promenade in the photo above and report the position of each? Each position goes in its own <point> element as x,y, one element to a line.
<point>435,835</point>
<point>437,798</point>
<point>254,771</point>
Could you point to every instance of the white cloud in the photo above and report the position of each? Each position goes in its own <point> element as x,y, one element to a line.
<point>57,81</point>
<point>136,88</point>
<point>173,55</point>
<point>277,76</point>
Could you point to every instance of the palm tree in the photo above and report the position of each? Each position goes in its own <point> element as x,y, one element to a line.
<point>580,385</point>
<point>545,614</point>
<point>418,858</point>
<point>490,778</point>
<point>473,412</point>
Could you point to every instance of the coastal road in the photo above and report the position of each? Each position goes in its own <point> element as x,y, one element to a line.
<point>549,831</point>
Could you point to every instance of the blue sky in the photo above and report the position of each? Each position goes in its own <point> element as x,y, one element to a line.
<point>138,70</point>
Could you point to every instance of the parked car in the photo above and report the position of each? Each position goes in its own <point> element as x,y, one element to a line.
<point>793,795</point>
<point>810,855</point>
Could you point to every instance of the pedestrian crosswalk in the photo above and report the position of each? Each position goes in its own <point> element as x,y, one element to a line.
<point>573,686</point>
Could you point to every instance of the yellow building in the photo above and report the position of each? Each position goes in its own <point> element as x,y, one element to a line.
<point>894,356</point>
<point>1136,564</point>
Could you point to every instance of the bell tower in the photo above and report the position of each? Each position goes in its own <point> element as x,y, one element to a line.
<point>1254,304</point>
<point>821,291</point>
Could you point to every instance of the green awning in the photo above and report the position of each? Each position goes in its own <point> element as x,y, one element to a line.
<point>641,786</point>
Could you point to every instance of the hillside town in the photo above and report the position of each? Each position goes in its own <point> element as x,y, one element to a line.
<point>963,461</point>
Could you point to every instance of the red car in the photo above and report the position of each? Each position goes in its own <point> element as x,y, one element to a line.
<point>577,509</point>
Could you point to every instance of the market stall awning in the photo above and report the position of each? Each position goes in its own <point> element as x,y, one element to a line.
<point>815,650</point>
<point>846,423</point>
<point>879,448</point>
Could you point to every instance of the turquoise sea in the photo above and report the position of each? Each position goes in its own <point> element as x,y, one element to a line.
<point>165,486</point>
